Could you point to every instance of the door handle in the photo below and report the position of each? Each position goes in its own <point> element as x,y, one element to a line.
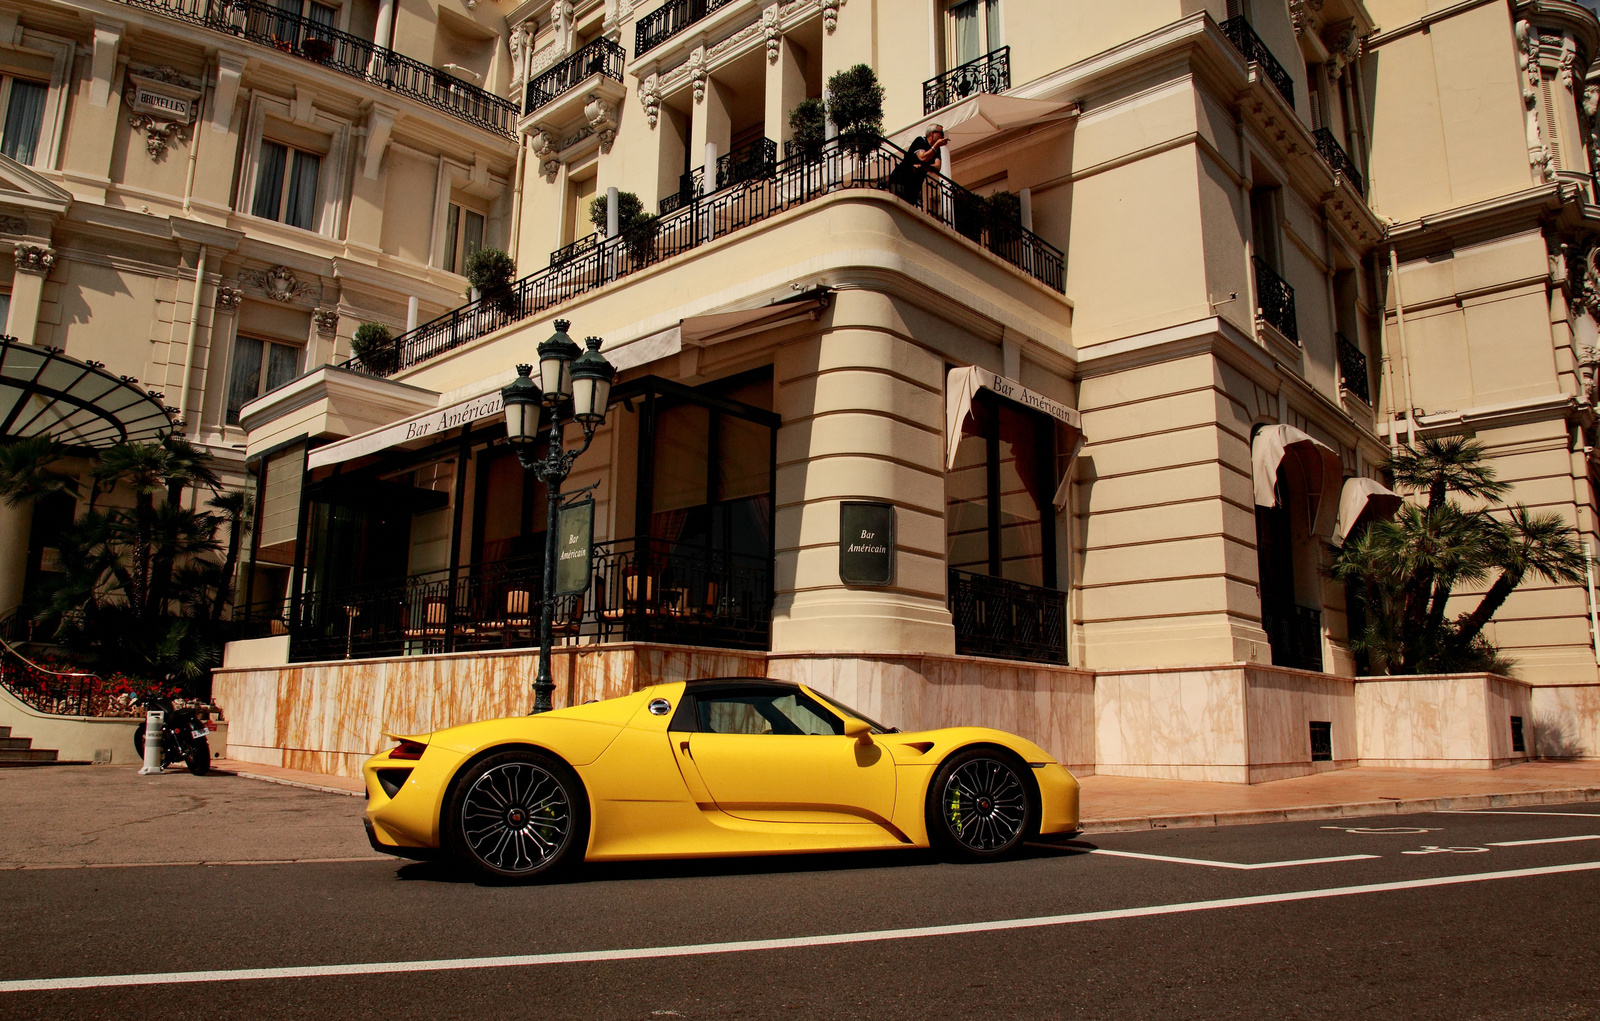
<point>683,746</point>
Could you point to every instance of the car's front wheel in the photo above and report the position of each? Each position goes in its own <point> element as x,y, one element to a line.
<point>516,815</point>
<point>979,806</point>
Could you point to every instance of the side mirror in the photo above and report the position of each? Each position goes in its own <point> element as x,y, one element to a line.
<point>857,729</point>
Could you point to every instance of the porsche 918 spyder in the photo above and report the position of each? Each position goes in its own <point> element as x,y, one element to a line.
<point>706,768</point>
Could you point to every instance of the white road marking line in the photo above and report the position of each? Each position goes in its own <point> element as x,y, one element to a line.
<point>19,866</point>
<point>1549,815</point>
<point>1543,840</point>
<point>1233,865</point>
<point>789,943</point>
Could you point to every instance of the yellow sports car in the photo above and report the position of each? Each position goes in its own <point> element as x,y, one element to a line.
<point>714,767</point>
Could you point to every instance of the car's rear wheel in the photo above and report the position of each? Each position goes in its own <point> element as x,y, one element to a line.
<point>979,806</point>
<point>516,815</point>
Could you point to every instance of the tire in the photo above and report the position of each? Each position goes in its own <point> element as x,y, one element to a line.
<point>516,815</point>
<point>197,756</point>
<point>138,742</point>
<point>980,806</point>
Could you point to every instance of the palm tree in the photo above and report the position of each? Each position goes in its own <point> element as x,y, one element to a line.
<point>27,472</point>
<point>175,533</point>
<point>1446,463</point>
<point>1541,545</point>
<point>188,467</point>
<point>234,506</point>
<point>143,468</point>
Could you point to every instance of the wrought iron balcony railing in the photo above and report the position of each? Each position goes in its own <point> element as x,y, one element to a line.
<point>1275,300</point>
<point>751,162</point>
<point>1353,375</point>
<point>599,57</point>
<point>643,589</point>
<point>690,186</point>
<point>1338,159</point>
<point>1244,38</point>
<point>795,181</point>
<point>288,32</point>
<point>1295,633</point>
<point>668,20</point>
<point>1007,619</point>
<point>990,73</point>
<point>562,256</point>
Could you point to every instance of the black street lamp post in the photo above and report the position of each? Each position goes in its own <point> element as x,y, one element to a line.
<point>571,385</point>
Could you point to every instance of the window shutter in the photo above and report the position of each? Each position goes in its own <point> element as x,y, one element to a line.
<point>1552,133</point>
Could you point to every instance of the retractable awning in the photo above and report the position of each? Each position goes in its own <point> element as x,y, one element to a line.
<point>962,385</point>
<point>1317,463</point>
<point>978,117</point>
<point>44,392</point>
<point>1364,498</point>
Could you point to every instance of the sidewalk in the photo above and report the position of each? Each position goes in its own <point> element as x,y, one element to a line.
<point>1114,804</point>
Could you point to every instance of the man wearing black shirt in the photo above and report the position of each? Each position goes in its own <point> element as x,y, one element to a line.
<point>923,152</point>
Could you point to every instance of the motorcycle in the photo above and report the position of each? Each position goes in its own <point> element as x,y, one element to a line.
<point>185,737</point>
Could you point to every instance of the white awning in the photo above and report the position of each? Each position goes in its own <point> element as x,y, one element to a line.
<point>1317,464</point>
<point>977,117</point>
<point>1362,497</point>
<point>416,427</point>
<point>963,384</point>
<point>701,331</point>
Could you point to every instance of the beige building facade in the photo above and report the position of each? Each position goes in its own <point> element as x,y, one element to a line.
<point>1112,435</point>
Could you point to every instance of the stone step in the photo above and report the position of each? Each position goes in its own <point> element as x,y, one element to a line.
<point>8,764</point>
<point>27,755</point>
<point>7,742</point>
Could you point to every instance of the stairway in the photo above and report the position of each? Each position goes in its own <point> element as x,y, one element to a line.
<point>19,751</point>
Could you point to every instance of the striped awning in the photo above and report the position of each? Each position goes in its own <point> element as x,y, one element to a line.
<point>43,392</point>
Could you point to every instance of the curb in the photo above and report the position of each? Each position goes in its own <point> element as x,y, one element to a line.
<point>285,782</point>
<point>1412,806</point>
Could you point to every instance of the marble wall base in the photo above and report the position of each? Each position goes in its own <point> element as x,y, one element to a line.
<point>1460,721</point>
<point>1566,721</point>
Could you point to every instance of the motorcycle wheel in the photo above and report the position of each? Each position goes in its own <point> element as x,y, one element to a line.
<point>138,742</point>
<point>197,756</point>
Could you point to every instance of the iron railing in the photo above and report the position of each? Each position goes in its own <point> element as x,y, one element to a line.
<point>602,56</point>
<point>1275,300</point>
<point>794,182</point>
<point>1295,633</point>
<point>1353,375</point>
<point>690,187</point>
<point>643,589</point>
<point>562,256</point>
<point>288,32</point>
<point>1243,36</point>
<point>1007,619</point>
<point>990,73</point>
<point>668,20</point>
<point>1338,159</point>
<point>750,162</point>
<point>56,692</point>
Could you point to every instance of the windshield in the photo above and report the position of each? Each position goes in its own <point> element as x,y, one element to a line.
<point>877,728</point>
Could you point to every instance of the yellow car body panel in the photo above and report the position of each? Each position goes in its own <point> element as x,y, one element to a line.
<point>655,792</point>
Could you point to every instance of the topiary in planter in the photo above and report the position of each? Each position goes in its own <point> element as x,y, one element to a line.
<point>808,122</point>
<point>374,345</point>
<point>629,211</point>
<point>856,100</point>
<point>490,271</point>
<point>639,237</point>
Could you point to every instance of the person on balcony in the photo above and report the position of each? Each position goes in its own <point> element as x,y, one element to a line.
<point>907,179</point>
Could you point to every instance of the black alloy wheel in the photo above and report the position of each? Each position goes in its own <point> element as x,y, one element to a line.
<point>197,756</point>
<point>980,807</point>
<point>517,815</point>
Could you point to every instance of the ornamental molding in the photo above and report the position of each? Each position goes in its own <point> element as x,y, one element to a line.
<point>774,35</point>
<point>698,73</point>
<point>32,258</point>
<point>326,320</point>
<point>163,104</point>
<point>830,14</point>
<point>229,298</point>
<point>602,118</point>
<point>1302,13</point>
<point>688,59</point>
<point>13,225</point>
<point>278,283</point>
<point>650,99</point>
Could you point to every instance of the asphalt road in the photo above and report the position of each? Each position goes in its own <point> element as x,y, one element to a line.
<point>1458,916</point>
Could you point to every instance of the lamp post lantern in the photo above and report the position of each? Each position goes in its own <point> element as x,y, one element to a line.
<point>575,386</point>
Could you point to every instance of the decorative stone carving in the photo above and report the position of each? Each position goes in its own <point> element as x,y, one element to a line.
<point>550,168</point>
<point>228,298</point>
<point>33,258</point>
<point>1569,56</point>
<point>561,14</point>
<point>162,104</point>
<point>1528,63</point>
<point>327,320</point>
<point>697,71</point>
<point>13,225</point>
<point>1344,49</point>
<point>517,42</point>
<point>546,144</point>
<point>830,14</point>
<point>278,283</point>
<point>1301,11</point>
<point>769,25</point>
<point>650,98</point>
<point>602,118</point>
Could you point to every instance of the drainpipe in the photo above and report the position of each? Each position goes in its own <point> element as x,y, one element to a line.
<point>1594,615</point>
<point>1405,362</point>
<point>516,197</point>
<point>194,330</point>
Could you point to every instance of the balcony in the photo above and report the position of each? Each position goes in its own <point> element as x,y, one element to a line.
<point>1007,619</point>
<point>1295,636</point>
<point>347,54</point>
<point>794,181</point>
<point>1353,376</point>
<point>751,162</point>
<point>1245,40</point>
<point>990,73</point>
<point>1275,300</point>
<point>642,589</point>
<point>1338,159</point>
<point>668,20</point>
<point>602,57</point>
<point>690,186</point>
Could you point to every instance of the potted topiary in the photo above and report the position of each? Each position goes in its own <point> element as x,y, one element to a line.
<point>1003,210</point>
<point>629,210</point>
<point>856,101</point>
<point>639,237</point>
<point>808,123</point>
<point>374,345</point>
<point>490,272</point>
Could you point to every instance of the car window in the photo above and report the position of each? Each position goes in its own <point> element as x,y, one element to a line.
<point>765,713</point>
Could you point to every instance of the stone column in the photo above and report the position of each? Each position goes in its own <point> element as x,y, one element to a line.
<point>27,287</point>
<point>15,525</point>
<point>786,87</point>
<point>712,126</point>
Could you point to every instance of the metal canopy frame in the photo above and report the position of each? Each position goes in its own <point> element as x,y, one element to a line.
<point>44,392</point>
